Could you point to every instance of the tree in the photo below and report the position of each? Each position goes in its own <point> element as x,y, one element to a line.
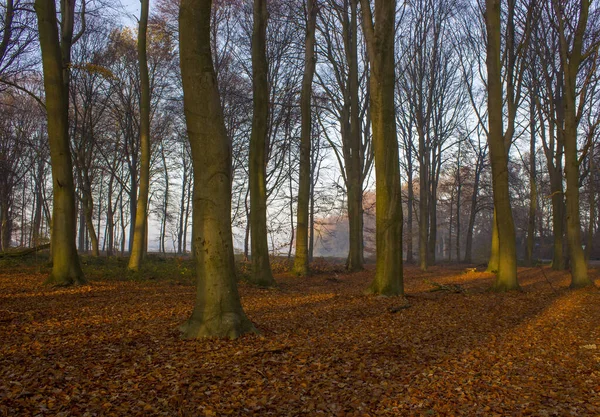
<point>380,48</point>
<point>218,311</point>
<point>261,268</point>
<point>344,83</point>
<point>56,59</point>
<point>138,248</point>
<point>573,52</point>
<point>432,93</point>
<point>499,139</point>
<point>302,256</point>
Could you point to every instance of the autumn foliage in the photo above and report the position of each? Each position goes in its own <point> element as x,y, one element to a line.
<point>112,348</point>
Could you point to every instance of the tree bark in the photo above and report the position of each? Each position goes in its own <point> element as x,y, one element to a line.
<point>66,269</point>
<point>380,37</point>
<point>532,188</point>
<point>261,269</point>
<point>506,278</point>
<point>138,247</point>
<point>571,61</point>
<point>354,163</point>
<point>301,259</point>
<point>218,311</point>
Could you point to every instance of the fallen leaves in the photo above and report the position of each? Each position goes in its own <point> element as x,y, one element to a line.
<point>111,348</point>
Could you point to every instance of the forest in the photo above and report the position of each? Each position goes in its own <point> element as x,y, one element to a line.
<point>299,207</point>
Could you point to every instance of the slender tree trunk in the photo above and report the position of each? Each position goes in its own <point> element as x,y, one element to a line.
<point>187,215</point>
<point>506,278</point>
<point>5,225</point>
<point>110,219</point>
<point>409,216</point>
<point>532,188</point>
<point>473,212</point>
<point>458,207</point>
<point>261,269</point>
<point>431,245</point>
<point>218,311</point>
<point>39,202</point>
<point>180,236</point>
<point>165,208</point>
<point>66,269</point>
<point>138,248</point>
<point>423,204</point>
<point>355,159</point>
<point>380,37</point>
<point>592,205</point>
<point>301,260</point>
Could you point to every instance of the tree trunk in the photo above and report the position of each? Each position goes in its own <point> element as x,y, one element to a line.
<point>261,269</point>
<point>138,247</point>
<point>5,225</point>
<point>110,219</point>
<point>354,163</point>
<point>380,47</point>
<point>571,62</point>
<point>301,260</point>
<point>423,203</point>
<point>409,219</point>
<point>506,278</point>
<point>66,269</point>
<point>458,207</point>
<point>473,213</point>
<point>218,311</point>
<point>532,188</point>
<point>592,205</point>
<point>180,236</point>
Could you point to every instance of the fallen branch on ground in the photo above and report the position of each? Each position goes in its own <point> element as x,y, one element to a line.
<point>23,252</point>
<point>453,288</point>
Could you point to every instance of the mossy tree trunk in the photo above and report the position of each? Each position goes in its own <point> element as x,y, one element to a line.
<point>218,311</point>
<point>380,35</point>
<point>138,247</point>
<point>56,57</point>
<point>571,57</point>
<point>261,269</point>
<point>301,260</point>
<point>506,278</point>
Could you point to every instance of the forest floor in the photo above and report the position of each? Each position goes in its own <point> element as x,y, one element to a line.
<point>111,348</point>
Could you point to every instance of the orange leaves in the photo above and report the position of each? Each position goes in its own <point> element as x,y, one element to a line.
<point>326,349</point>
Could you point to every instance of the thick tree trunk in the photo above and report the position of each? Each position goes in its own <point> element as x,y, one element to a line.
<point>261,269</point>
<point>380,37</point>
<point>571,62</point>
<point>66,269</point>
<point>506,278</point>
<point>301,260</point>
<point>138,247</point>
<point>218,311</point>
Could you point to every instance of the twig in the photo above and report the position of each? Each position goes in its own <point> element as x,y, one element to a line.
<point>547,280</point>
